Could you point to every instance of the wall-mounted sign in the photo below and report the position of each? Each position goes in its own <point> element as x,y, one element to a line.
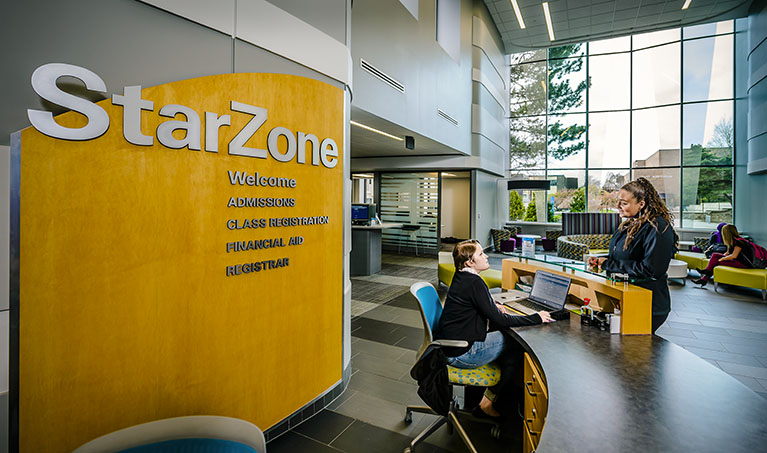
<point>181,253</point>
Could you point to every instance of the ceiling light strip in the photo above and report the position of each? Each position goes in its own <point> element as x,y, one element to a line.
<point>686,4</point>
<point>518,13</point>
<point>547,15</point>
<point>354,123</point>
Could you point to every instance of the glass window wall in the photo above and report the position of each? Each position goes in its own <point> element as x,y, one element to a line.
<point>590,117</point>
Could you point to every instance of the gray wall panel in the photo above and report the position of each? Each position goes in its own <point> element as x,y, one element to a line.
<point>124,42</point>
<point>484,206</point>
<point>750,212</point>
<point>321,14</point>
<point>411,55</point>
<point>249,58</point>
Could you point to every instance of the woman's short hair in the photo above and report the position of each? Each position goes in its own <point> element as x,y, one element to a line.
<point>463,252</point>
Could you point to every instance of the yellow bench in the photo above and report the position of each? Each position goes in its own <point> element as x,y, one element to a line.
<point>446,269</point>
<point>693,260</point>
<point>750,278</point>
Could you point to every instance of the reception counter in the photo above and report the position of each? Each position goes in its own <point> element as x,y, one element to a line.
<point>636,393</point>
<point>366,248</point>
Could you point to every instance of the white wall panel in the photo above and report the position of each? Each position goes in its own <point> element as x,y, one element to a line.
<point>218,15</point>
<point>481,37</point>
<point>265,25</point>
<point>482,122</point>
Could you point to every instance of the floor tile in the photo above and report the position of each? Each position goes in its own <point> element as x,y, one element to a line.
<point>750,382</point>
<point>381,387</point>
<point>324,426</point>
<point>377,349</point>
<point>365,438</point>
<point>674,331</point>
<point>721,356</point>
<point>744,370</point>
<point>684,341</point>
<point>389,368</point>
<point>341,399</point>
<point>758,351</point>
<point>292,442</point>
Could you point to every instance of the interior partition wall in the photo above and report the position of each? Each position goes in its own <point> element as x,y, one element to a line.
<point>410,199</point>
<point>590,117</point>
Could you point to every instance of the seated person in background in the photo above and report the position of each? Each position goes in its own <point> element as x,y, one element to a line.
<point>470,314</point>
<point>715,242</point>
<point>739,254</point>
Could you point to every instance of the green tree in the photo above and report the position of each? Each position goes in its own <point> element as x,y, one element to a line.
<point>516,208</point>
<point>531,215</point>
<point>578,203</point>
<point>550,213</point>
<point>532,85</point>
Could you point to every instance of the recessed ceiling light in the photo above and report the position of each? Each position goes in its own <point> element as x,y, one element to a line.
<point>362,175</point>
<point>354,123</point>
<point>518,13</point>
<point>447,174</point>
<point>547,15</point>
<point>686,4</point>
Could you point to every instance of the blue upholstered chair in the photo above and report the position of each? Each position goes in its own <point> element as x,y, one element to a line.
<point>193,434</point>
<point>485,376</point>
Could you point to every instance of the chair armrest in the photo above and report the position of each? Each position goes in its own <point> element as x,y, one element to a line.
<point>451,343</point>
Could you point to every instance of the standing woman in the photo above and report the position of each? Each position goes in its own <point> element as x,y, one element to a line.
<point>739,254</point>
<point>643,245</point>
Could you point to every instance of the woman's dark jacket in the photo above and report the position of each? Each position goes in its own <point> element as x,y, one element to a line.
<point>646,258</point>
<point>468,308</point>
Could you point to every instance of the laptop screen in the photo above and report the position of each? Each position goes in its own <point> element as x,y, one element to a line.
<point>550,290</point>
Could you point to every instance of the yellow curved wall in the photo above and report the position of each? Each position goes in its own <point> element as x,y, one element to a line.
<point>126,314</point>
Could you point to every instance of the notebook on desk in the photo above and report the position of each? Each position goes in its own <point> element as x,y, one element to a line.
<point>549,293</point>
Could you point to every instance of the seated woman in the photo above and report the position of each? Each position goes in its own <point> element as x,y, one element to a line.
<point>470,314</point>
<point>739,254</point>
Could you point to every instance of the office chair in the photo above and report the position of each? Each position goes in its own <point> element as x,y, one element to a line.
<point>485,376</point>
<point>193,434</point>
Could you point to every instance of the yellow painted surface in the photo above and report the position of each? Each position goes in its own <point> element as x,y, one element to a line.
<point>126,312</point>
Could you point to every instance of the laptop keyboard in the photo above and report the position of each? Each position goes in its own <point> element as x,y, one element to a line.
<point>529,304</point>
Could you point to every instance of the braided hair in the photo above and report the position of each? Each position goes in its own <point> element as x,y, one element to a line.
<point>654,207</point>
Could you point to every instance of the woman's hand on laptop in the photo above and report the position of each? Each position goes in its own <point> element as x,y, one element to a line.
<point>545,316</point>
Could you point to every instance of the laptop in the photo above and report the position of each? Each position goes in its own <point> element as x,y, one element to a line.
<point>549,293</point>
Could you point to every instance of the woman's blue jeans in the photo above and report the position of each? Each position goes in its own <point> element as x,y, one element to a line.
<point>481,352</point>
<point>484,352</point>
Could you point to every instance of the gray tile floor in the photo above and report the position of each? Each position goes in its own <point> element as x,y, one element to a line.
<point>728,329</point>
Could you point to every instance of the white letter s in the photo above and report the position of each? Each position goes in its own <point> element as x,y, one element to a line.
<point>44,83</point>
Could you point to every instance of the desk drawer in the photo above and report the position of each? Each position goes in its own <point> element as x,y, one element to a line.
<point>529,443</point>
<point>536,404</point>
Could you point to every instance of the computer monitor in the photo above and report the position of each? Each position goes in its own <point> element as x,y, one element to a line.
<point>360,214</point>
<point>550,290</point>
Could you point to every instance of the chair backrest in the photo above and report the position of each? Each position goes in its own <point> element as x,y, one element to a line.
<point>430,307</point>
<point>589,223</point>
<point>190,427</point>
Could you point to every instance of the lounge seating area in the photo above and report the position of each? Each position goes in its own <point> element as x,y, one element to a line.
<point>576,245</point>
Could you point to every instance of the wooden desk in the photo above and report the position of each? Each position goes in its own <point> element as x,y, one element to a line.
<point>635,302</point>
<point>615,393</point>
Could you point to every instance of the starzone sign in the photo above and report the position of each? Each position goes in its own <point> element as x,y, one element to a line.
<point>44,83</point>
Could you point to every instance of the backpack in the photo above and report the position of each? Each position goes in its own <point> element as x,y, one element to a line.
<point>760,256</point>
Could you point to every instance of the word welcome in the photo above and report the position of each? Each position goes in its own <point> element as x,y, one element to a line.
<point>44,83</point>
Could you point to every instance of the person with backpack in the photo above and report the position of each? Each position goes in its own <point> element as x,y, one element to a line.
<point>715,242</point>
<point>740,254</point>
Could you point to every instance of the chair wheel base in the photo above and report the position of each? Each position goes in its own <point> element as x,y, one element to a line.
<point>409,418</point>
